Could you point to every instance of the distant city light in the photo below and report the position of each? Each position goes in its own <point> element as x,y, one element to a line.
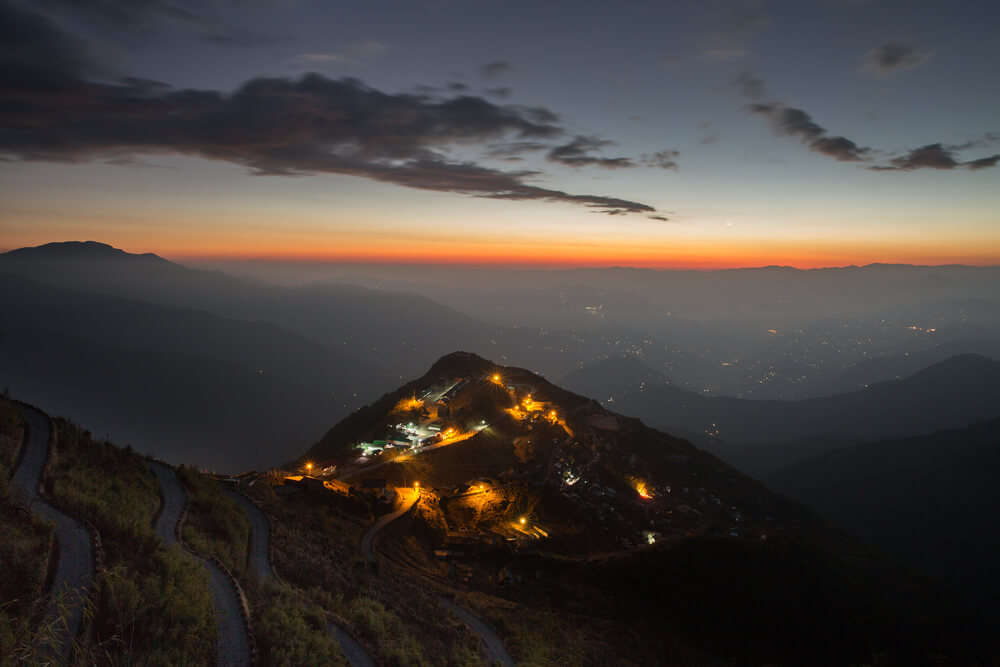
<point>523,521</point>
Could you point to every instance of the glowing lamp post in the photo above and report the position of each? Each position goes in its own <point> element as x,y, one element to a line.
<point>309,468</point>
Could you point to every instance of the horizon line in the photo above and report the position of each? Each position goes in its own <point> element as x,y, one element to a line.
<point>494,262</point>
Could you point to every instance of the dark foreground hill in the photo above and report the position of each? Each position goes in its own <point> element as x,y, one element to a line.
<point>761,436</point>
<point>806,595</point>
<point>732,573</point>
<point>929,501</point>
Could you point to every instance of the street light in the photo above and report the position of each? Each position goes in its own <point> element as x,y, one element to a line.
<point>523,521</point>
<point>309,467</point>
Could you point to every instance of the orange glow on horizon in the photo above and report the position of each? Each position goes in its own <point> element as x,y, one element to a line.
<point>697,254</point>
<point>702,252</point>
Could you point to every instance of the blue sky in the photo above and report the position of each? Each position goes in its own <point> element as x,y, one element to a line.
<point>741,188</point>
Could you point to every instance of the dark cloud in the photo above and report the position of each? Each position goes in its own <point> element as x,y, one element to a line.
<point>514,149</point>
<point>935,156</point>
<point>124,13</point>
<point>892,57</point>
<point>495,69</point>
<point>982,163</point>
<point>931,156</point>
<point>502,91</point>
<point>35,54</point>
<point>988,139</point>
<point>750,85</point>
<point>665,159</point>
<point>153,15</point>
<point>536,114</point>
<point>576,153</point>
<point>661,218</point>
<point>797,123</point>
<point>457,87</point>
<point>274,126</point>
<point>840,148</point>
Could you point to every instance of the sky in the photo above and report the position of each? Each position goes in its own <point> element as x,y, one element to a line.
<point>681,134</point>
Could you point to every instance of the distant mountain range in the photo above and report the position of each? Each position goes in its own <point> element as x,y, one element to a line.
<point>930,501</point>
<point>180,383</point>
<point>761,436</point>
<point>386,326</point>
<point>199,366</point>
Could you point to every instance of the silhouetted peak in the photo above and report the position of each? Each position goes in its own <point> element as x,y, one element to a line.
<point>461,363</point>
<point>78,250</point>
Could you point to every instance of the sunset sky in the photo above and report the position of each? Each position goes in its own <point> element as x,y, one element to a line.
<point>701,134</point>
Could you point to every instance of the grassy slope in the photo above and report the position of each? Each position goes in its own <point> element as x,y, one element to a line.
<point>289,626</point>
<point>215,525</point>
<point>24,549</point>
<point>154,604</point>
<point>316,550</point>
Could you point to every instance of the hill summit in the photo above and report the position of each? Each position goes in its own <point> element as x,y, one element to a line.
<point>588,478</point>
<point>551,502</point>
<point>77,251</point>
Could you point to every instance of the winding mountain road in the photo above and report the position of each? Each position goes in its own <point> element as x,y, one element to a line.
<point>494,645</point>
<point>368,541</point>
<point>353,651</point>
<point>260,563</point>
<point>233,647</point>
<point>260,536</point>
<point>75,567</point>
<point>491,641</point>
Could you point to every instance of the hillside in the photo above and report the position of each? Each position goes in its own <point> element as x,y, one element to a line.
<point>180,383</point>
<point>564,532</point>
<point>397,332</point>
<point>924,500</point>
<point>604,515</point>
<point>759,436</point>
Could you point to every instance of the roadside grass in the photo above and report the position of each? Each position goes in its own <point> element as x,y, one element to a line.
<point>316,550</point>
<point>107,485</point>
<point>25,545</point>
<point>163,615</point>
<point>11,430</point>
<point>215,525</point>
<point>292,629</point>
<point>24,555</point>
<point>539,638</point>
<point>153,604</point>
